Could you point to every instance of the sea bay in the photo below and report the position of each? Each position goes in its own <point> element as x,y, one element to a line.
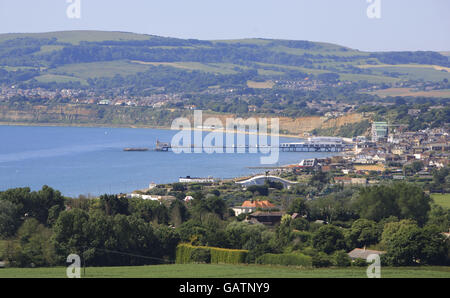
<point>91,160</point>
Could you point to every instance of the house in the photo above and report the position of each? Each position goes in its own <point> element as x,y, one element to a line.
<point>160,199</point>
<point>363,253</point>
<point>189,179</point>
<point>251,206</point>
<point>308,163</point>
<point>266,218</point>
<point>188,199</point>
<point>104,102</point>
<point>447,235</point>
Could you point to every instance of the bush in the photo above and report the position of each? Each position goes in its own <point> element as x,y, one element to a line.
<point>321,260</point>
<point>228,256</point>
<point>291,259</point>
<point>303,236</point>
<point>187,253</point>
<point>300,224</point>
<point>201,255</point>
<point>359,263</point>
<point>341,259</point>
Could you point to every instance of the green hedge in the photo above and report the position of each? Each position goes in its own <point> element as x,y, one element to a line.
<point>291,259</point>
<point>187,253</point>
<point>228,256</point>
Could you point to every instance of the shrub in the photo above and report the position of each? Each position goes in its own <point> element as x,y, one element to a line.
<point>228,256</point>
<point>187,253</point>
<point>359,263</point>
<point>200,255</point>
<point>303,236</point>
<point>321,260</point>
<point>291,259</point>
<point>341,259</point>
<point>300,224</point>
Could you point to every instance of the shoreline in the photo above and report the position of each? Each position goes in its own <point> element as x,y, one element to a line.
<point>95,125</point>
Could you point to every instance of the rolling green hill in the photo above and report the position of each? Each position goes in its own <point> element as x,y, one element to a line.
<point>82,57</point>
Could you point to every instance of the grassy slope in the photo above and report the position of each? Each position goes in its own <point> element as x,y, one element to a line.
<point>227,271</point>
<point>80,72</point>
<point>442,200</point>
<point>99,69</point>
<point>74,37</point>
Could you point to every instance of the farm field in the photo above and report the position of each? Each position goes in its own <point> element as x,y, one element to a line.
<point>225,271</point>
<point>442,199</point>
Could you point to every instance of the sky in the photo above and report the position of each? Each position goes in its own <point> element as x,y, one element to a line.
<point>402,24</point>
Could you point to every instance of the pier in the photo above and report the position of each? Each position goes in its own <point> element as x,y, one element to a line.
<point>318,144</point>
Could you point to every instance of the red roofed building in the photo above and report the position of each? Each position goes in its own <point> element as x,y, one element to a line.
<point>258,204</point>
<point>251,206</point>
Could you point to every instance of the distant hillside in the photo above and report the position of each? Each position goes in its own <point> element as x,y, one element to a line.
<point>119,59</point>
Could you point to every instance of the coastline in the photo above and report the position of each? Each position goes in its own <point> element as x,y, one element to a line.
<point>52,124</point>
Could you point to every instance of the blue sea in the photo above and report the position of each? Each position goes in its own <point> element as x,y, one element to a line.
<point>91,160</point>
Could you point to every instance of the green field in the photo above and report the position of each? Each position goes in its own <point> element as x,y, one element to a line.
<point>76,36</point>
<point>83,71</point>
<point>226,271</point>
<point>442,199</point>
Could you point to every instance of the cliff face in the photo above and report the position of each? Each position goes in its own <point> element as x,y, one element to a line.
<point>301,125</point>
<point>129,116</point>
<point>50,114</point>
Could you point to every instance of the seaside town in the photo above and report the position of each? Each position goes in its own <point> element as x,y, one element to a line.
<point>197,140</point>
<point>389,154</point>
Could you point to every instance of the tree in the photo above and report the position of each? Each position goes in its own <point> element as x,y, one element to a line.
<point>335,206</point>
<point>35,204</point>
<point>412,202</point>
<point>408,244</point>
<point>439,217</point>
<point>33,247</point>
<point>178,213</point>
<point>210,204</point>
<point>113,204</point>
<point>262,190</point>
<point>299,206</point>
<point>43,201</point>
<point>9,219</point>
<point>328,239</point>
<point>402,200</point>
<point>376,203</point>
<point>178,187</point>
<point>300,224</point>
<point>363,232</point>
<point>69,234</point>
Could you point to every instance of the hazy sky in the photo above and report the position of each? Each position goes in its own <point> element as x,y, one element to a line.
<point>404,24</point>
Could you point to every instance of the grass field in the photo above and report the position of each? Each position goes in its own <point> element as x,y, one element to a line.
<point>260,85</point>
<point>442,199</point>
<point>99,69</point>
<point>225,271</point>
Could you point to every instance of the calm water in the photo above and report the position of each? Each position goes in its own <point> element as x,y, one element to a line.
<point>83,160</point>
